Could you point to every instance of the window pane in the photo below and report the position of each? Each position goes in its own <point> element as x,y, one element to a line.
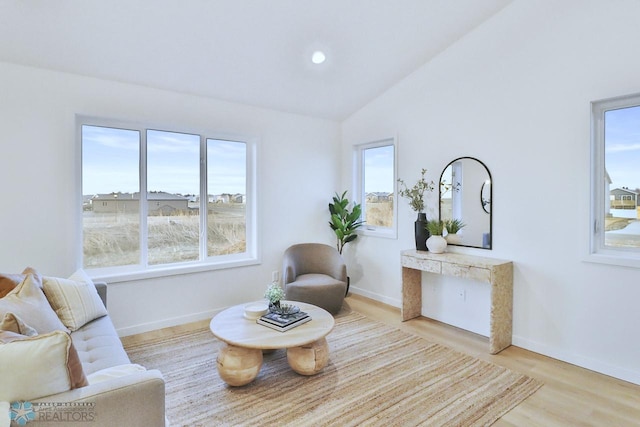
<point>163,226</point>
<point>110,188</point>
<point>378,179</point>
<point>622,177</point>
<point>227,189</point>
<point>173,186</point>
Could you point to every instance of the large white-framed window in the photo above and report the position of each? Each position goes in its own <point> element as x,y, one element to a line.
<point>615,181</point>
<point>158,200</point>
<point>375,186</point>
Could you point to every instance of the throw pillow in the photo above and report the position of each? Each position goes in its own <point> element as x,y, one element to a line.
<point>34,367</point>
<point>9,281</point>
<point>28,302</point>
<point>75,300</point>
<point>13,323</point>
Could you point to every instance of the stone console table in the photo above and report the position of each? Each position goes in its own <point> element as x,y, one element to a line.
<point>498,273</point>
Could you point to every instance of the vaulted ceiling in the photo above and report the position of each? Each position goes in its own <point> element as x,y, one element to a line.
<point>256,52</point>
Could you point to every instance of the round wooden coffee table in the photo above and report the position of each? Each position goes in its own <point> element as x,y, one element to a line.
<point>240,360</point>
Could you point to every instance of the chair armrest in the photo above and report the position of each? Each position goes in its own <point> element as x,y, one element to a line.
<point>132,400</point>
<point>340,272</point>
<point>288,271</point>
<point>101,287</point>
<point>335,267</point>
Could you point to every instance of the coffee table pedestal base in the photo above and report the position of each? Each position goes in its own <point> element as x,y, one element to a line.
<point>309,359</point>
<point>238,366</point>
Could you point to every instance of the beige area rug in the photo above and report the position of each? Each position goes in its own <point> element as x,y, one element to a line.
<point>377,375</point>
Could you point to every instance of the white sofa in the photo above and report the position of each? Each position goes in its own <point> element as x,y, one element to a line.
<point>118,393</point>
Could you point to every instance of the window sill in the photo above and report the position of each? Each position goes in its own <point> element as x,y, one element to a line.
<point>135,273</point>
<point>386,233</point>
<point>617,259</point>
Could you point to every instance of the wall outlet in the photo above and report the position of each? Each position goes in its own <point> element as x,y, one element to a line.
<point>462,294</point>
<point>275,276</point>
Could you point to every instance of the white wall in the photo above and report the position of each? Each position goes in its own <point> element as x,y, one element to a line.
<point>39,216</point>
<point>515,93</point>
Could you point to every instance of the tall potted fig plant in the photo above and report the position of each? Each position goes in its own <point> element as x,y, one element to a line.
<point>344,220</point>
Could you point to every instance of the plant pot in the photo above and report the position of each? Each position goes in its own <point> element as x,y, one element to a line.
<point>454,239</point>
<point>437,244</point>
<point>274,307</point>
<point>421,233</point>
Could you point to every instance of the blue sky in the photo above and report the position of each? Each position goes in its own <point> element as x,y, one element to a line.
<point>622,147</point>
<point>379,169</point>
<point>110,160</point>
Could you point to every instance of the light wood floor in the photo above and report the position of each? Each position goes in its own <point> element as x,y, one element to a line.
<point>570,396</point>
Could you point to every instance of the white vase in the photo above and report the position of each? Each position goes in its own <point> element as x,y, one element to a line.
<point>454,239</point>
<point>436,244</point>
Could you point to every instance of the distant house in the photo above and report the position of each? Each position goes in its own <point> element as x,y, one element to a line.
<point>223,198</point>
<point>623,198</point>
<point>159,203</point>
<point>379,197</point>
<point>229,198</point>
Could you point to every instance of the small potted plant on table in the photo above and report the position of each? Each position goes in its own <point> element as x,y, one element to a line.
<point>274,294</point>
<point>453,226</point>
<point>436,243</point>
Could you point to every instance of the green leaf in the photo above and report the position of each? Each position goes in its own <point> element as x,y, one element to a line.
<point>350,238</point>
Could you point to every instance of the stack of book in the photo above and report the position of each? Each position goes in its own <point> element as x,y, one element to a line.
<point>283,323</point>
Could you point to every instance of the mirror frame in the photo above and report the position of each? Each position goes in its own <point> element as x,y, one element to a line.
<point>486,203</point>
<point>490,213</point>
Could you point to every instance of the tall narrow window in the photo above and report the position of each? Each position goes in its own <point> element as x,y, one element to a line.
<point>376,186</point>
<point>227,183</point>
<point>616,178</point>
<point>111,192</point>
<point>145,191</point>
<point>173,182</point>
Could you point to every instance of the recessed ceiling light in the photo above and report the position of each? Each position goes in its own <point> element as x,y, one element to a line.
<point>318,57</point>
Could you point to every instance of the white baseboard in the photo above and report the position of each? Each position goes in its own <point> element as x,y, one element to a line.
<point>585,362</point>
<point>374,296</point>
<point>166,323</point>
<point>578,360</point>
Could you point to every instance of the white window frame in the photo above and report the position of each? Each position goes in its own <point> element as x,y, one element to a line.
<point>359,192</point>
<point>251,256</point>
<point>598,252</point>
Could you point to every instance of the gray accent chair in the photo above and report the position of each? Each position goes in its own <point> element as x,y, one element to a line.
<point>316,274</point>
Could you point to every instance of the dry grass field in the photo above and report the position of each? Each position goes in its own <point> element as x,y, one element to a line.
<point>114,239</point>
<point>379,213</point>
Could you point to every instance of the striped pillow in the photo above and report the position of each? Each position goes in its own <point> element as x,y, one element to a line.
<point>75,300</point>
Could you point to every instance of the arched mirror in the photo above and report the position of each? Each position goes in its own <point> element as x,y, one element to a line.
<point>460,184</point>
<point>485,196</point>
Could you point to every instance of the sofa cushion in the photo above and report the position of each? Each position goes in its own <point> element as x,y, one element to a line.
<point>28,302</point>
<point>75,300</point>
<point>33,367</point>
<point>99,346</point>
